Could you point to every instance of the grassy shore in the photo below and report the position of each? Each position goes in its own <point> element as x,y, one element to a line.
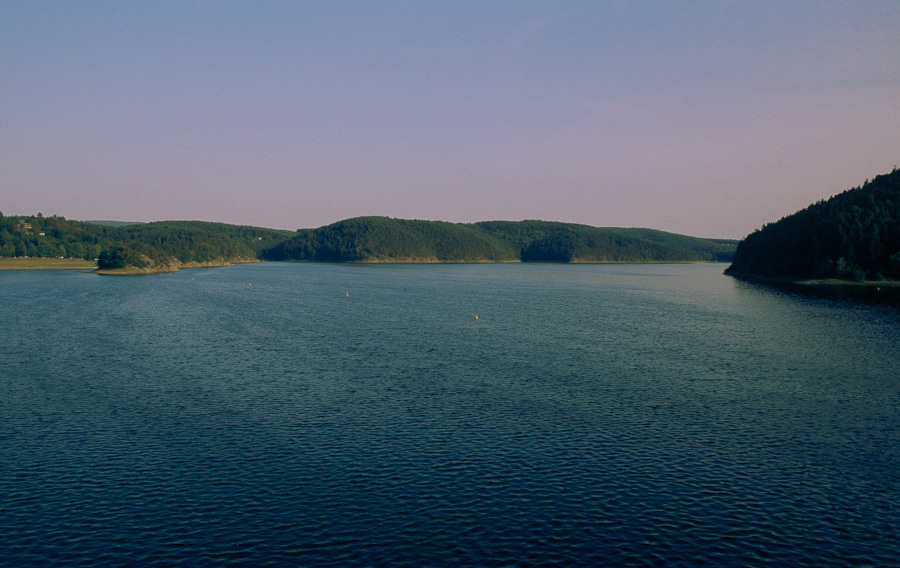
<point>33,263</point>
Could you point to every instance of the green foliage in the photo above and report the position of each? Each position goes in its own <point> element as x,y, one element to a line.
<point>385,239</point>
<point>121,256</point>
<point>40,236</point>
<point>364,239</point>
<point>196,241</point>
<point>719,250</point>
<point>137,245</point>
<point>564,242</point>
<point>853,236</point>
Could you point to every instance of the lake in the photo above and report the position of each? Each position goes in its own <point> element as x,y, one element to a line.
<point>285,414</point>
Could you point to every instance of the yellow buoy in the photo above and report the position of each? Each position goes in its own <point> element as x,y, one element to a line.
<point>476,317</point>
<point>348,294</point>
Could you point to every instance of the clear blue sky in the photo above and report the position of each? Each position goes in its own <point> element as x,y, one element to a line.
<point>703,118</point>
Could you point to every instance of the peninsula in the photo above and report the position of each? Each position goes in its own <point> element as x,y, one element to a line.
<point>853,237</point>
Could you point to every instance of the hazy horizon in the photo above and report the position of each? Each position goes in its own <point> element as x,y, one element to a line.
<point>704,119</point>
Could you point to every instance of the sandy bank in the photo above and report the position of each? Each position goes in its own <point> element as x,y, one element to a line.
<point>171,266</point>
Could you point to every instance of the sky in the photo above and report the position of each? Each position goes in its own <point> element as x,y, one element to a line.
<point>703,118</point>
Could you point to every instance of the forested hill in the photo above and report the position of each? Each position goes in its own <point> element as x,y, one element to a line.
<point>153,246</point>
<point>171,244</point>
<point>852,236</point>
<point>382,239</point>
<point>167,245</point>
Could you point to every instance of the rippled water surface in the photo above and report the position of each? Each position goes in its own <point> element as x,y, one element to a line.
<point>346,415</point>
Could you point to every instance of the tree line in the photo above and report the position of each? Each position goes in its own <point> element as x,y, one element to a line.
<point>138,245</point>
<point>361,239</point>
<point>40,236</point>
<point>386,239</point>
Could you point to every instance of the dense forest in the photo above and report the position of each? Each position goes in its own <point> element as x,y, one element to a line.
<point>373,239</point>
<point>384,239</point>
<point>160,245</point>
<point>166,245</point>
<point>187,242</point>
<point>40,236</point>
<point>852,236</point>
<point>568,242</point>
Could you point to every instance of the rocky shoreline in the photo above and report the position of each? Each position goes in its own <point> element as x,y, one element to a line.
<point>173,265</point>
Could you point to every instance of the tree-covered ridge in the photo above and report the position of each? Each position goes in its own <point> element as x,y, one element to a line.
<point>199,241</point>
<point>567,242</point>
<point>165,243</point>
<point>721,250</point>
<point>170,243</point>
<point>39,236</point>
<point>385,239</point>
<point>852,236</point>
<point>373,239</point>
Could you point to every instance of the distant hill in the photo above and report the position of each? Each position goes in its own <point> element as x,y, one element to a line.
<point>167,245</point>
<point>383,239</point>
<point>375,239</point>
<point>852,236</point>
<point>721,250</point>
<point>141,245</point>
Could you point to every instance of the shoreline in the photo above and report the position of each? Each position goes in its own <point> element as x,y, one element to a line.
<point>169,268</point>
<point>45,263</point>
<point>510,261</point>
<point>815,282</point>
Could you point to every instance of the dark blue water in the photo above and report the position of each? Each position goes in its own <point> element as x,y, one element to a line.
<point>340,415</point>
